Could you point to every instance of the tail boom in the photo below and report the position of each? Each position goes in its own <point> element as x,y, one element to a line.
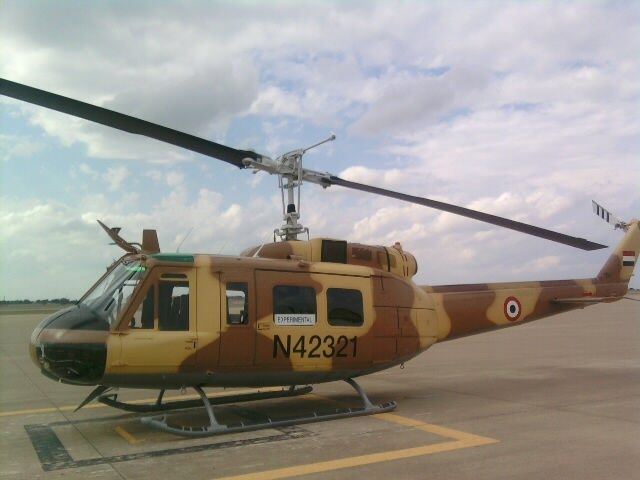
<point>469,309</point>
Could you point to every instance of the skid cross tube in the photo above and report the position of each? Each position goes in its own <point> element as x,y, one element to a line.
<point>213,422</point>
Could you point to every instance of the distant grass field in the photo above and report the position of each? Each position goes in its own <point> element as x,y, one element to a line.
<point>30,309</point>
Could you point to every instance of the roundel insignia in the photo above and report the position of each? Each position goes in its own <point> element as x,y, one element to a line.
<point>512,308</point>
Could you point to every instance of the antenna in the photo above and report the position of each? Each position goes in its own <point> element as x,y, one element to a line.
<point>183,239</point>
<point>261,245</point>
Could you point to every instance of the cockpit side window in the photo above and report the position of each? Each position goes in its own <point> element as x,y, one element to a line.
<point>113,292</point>
<point>143,316</point>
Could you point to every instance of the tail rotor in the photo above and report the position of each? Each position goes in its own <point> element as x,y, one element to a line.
<point>609,217</point>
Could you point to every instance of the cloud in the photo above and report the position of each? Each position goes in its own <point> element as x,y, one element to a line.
<point>155,175</point>
<point>87,170</point>
<point>526,110</point>
<point>174,179</point>
<point>37,233</point>
<point>18,146</point>
<point>197,90</point>
<point>541,264</point>
<point>389,178</point>
<point>275,101</point>
<point>432,99</point>
<point>115,177</point>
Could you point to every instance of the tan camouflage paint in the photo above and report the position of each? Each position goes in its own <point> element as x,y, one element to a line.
<point>401,318</point>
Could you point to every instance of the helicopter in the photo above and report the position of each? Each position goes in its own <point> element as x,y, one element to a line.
<point>291,313</point>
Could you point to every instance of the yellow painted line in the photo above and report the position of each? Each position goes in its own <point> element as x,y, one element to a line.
<point>47,410</point>
<point>70,408</point>
<point>460,440</point>
<point>351,462</point>
<point>127,436</point>
<point>466,437</point>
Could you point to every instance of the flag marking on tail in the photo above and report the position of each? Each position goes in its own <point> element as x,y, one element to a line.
<point>628,258</point>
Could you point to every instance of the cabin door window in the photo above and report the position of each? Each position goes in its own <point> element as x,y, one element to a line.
<point>237,327</point>
<point>237,303</point>
<point>294,305</point>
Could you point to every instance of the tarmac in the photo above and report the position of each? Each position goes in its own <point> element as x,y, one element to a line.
<point>557,398</point>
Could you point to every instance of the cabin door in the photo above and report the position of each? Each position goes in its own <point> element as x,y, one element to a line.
<point>237,319</point>
<point>316,322</point>
<point>159,332</point>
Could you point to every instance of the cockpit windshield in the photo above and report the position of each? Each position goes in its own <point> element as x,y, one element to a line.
<point>112,294</point>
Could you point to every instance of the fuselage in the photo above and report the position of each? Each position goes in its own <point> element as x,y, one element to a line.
<point>174,320</point>
<point>230,321</point>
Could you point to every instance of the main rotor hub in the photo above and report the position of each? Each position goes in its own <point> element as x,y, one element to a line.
<point>291,176</point>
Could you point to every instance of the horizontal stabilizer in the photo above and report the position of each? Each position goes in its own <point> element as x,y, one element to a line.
<point>585,300</point>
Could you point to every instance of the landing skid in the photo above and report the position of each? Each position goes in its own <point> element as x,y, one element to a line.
<point>216,428</point>
<point>112,400</point>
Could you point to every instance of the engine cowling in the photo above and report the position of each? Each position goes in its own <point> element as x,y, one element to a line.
<point>392,259</point>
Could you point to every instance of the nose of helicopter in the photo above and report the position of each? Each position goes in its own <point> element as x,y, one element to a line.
<point>70,346</point>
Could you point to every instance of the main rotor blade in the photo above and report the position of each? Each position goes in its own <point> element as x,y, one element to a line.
<point>466,212</point>
<point>124,122</point>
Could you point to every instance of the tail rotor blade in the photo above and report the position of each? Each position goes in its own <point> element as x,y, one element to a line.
<point>607,216</point>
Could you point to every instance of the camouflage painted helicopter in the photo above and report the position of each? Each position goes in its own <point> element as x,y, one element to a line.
<point>283,314</point>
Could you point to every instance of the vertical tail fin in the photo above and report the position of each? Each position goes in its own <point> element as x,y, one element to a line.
<point>619,267</point>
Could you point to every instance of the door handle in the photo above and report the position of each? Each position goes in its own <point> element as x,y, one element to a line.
<point>191,342</point>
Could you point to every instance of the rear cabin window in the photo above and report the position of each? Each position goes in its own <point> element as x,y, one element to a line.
<point>237,303</point>
<point>294,305</point>
<point>344,307</point>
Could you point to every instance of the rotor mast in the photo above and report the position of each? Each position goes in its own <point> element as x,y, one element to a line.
<point>291,176</point>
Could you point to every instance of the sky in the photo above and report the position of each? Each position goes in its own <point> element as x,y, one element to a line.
<point>527,110</point>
